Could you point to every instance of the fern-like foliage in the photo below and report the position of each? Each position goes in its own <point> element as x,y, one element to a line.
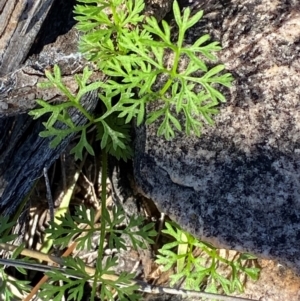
<point>137,53</point>
<point>113,133</point>
<point>144,66</point>
<point>196,270</point>
<point>69,227</point>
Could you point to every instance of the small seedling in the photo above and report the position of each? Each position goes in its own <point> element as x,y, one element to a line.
<point>195,270</point>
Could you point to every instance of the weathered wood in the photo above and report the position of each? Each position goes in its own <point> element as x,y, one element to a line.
<point>18,83</point>
<point>23,154</point>
<point>19,88</point>
<point>20,22</point>
<point>26,154</point>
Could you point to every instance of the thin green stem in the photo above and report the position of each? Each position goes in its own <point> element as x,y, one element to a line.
<point>166,87</point>
<point>173,71</point>
<point>103,225</point>
<point>176,61</point>
<point>83,111</point>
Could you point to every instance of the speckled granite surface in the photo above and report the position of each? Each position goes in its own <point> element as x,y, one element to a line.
<point>238,186</point>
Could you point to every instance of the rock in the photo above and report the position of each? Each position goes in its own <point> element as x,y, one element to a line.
<point>238,186</point>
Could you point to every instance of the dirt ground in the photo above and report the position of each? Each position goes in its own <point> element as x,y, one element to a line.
<point>276,283</point>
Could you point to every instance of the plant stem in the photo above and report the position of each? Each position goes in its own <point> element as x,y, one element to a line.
<point>173,72</point>
<point>103,224</point>
<point>166,87</point>
<point>82,110</point>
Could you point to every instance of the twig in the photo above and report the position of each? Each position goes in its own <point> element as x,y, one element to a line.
<point>189,293</point>
<point>49,195</point>
<point>45,277</point>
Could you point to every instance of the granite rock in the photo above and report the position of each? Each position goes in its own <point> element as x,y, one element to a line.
<point>238,185</point>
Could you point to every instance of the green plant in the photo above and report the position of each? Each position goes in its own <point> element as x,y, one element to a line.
<point>114,134</point>
<point>146,70</point>
<point>64,233</point>
<point>196,270</point>
<point>123,47</point>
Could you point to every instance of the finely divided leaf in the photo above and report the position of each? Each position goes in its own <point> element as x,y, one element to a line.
<point>81,145</point>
